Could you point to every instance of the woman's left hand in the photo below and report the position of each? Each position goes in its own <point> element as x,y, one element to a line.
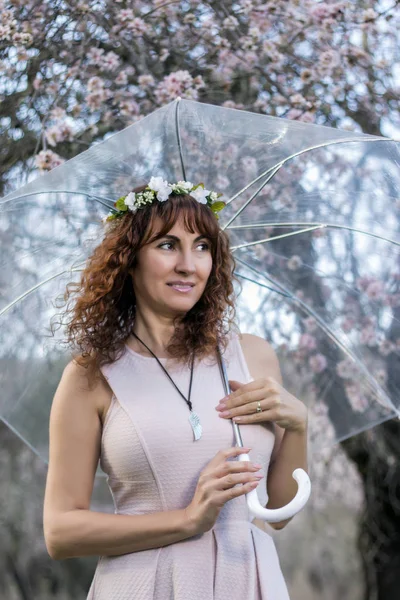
<point>276,403</point>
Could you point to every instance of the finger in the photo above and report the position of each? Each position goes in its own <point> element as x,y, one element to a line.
<point>244,398</point>
<point>244,387</point>
<point>251,407</point>
<point>261,417</point>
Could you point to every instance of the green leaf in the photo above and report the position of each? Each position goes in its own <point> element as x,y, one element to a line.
<point>217,206</point>
<point>120,204</point>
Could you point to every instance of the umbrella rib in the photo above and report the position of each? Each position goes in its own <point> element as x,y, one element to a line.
<point>103,201</point>
<point>262,285</point>
<point>371,381</point>
<point>278,165</point>
<point>34,288</point>
<point>178,135</point>
<point>21,437</point>
<point>321,226</point>
<point>276,237</point>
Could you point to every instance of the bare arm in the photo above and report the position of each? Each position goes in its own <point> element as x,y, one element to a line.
<point>71,529</point>
<point>85,533</point>
<point>290,449</point>
<point>281,486</point>
<point>290,453</point>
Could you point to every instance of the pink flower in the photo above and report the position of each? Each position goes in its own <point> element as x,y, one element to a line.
<point>47,160</point>
<point>318,363</point>
<point>374,290</point>
<point>386,347</point>
<point>310,324</point>
<point>357,400</point>
<point>348,324</point>
<point>294,262</point>
<point>346,369</point>
<point>307,342</point>
<point>293,113</point>
<point>368,336</point>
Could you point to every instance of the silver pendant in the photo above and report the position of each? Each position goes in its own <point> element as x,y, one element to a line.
<point>194,421</point>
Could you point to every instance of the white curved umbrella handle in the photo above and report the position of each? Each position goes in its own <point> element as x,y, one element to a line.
<point>274,515</point>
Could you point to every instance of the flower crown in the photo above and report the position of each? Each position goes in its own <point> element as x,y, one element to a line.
<point>159,189</point>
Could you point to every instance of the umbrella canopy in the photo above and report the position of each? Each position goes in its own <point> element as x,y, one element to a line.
<point>312,214</point>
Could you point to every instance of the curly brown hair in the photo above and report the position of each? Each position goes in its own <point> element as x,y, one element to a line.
<point>103,314</point>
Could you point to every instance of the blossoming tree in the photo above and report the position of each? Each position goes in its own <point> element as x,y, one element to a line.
<point>74,73</point>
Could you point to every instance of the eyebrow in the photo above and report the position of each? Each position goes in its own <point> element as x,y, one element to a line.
<point>174,237</point>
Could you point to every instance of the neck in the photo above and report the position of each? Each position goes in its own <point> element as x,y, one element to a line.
<point>154,330</point>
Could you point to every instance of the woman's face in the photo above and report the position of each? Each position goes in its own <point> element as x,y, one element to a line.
<point>167,260</point>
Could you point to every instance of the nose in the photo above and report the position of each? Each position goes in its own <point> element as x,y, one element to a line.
<point>185,261</point>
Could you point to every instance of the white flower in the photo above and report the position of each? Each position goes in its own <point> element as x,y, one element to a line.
<point>200,194</point>
<point>186,185</point>
<point>130,201</point>
<point>161,186</point>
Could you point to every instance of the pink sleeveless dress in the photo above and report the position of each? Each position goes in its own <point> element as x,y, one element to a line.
<point>153,464</point>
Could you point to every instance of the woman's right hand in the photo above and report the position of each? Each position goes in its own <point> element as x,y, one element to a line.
<point>215,486</point>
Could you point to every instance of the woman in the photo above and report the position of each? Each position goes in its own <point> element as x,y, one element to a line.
<point>143,397</point>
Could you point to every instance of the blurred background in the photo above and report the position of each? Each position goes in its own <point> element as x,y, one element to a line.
<point>74,73</point>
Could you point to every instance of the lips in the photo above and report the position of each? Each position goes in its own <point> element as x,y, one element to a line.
<point>181,284</point>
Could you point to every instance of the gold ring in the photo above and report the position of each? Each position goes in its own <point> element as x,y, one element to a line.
<point>259,407</point>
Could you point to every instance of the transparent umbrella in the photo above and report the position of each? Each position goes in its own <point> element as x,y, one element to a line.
<point>313,218</point>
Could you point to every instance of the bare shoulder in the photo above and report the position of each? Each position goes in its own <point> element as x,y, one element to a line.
<point>100,393</point>
<point>260,356</point>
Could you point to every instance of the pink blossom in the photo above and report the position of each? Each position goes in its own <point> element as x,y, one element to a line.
<point>121,78</point>
<point>125,15</point>
<point>260,250</point>
<point>318,363</point>
<point>294,263</point>
<point>221,182</point>
<point>346,369</point>
<point>363,282</point>
<point>386,347</point>
<point>135,24</point>
<point>320,12</point>
<point>46,160</point>
<point>369,14</point>
<point>231,23</point>
<point>368,336</point>
<point>307,342</point>
<point>293,114</point>
<point>128,107</point>
<point>307,117</point>
<point>357,399</point>
<point>94,56</point>
<point>146,80</point>
<point>59,133</point>
<point>95,84</point>
<point>110,61</point>
<point>374,290</point>
<point>57,112</point>
<point>5,32</point>
<point>348,324</point>
<point>392,300</point>
<point>310,324</point>
<point>329,58</point>
<point>96,100</point>
<point>177,83</point>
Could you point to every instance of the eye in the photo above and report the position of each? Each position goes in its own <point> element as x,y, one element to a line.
<point>173,244</point>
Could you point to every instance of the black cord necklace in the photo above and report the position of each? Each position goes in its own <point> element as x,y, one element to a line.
<point>194,419</point>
